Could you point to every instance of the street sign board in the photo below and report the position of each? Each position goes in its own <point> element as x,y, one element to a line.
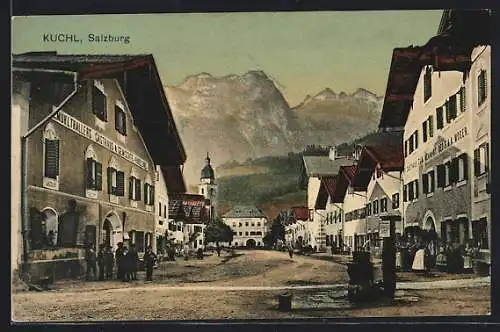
<point>385,228</point>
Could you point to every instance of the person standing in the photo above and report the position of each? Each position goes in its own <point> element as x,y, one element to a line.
<point>133,261</point>
<point>100,261</point>
<point>290,251</point>
<point>119,260</point>
<point>109,262</point>
<point>91,259</point>
<point>149,260</point>
<point>126,265</point>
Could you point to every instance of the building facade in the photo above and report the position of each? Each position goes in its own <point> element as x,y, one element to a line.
<point>90,175</point>
<point>249,225</point>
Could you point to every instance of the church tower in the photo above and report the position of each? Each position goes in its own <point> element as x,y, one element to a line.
<point>208,187</point>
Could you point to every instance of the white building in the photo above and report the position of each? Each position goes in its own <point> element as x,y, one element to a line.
<point>315,168</point>
<point>161,211</point>
<point>334,223</point>
<point>208,188</point>
<point>249,225</point>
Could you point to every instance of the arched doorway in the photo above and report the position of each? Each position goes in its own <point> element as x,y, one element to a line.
<point>51,226</point>
<point>112,230</point>
<point>429,236</point>
<point>251,243</point>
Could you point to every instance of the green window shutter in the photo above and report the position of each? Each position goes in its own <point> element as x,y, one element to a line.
<point>146,188</point>
<point>98,176</point>
<point>425,183</point>
<point>424,131</point>
<point>454,167</point>
<point>416,139</point>
<point>138,189</point>
<point>110,181</point>
<point>453,107</point>
<point>431,126</point>
<point>89,174</point>
<point>120,183</point>
<point>51,158</point>
<point>416,189</point>
<point>441,176</point>
<point>465,159</point>
<point>439,118</point>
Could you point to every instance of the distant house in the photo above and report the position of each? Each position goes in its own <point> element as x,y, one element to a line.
<point>333,212</point>
<point>249,225</point>
<point>314,168</point>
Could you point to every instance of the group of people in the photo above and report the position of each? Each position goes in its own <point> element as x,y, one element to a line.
<point>127,262</point>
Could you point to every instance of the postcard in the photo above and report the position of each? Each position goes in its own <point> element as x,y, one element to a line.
<point>239,166</point>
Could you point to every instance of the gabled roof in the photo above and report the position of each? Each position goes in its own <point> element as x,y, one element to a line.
<point>140,82</point>
<point>323,165</point>
<point>343,181</point>
<point>243,211</point>
<point>189,208</point>
<point>450,50</point>
<point>300,213</point>
<point>389,157</point>
<point>327,189</point>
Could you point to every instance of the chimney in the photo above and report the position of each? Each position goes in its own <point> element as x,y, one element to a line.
<point>333,153</point>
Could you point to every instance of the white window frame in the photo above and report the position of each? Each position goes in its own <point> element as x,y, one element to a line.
<point>429,187</point>
<point>122,138</point>
<point>50,134</point>
<point>447,184</point>
<point>90,153</point>
<point>114,164</point>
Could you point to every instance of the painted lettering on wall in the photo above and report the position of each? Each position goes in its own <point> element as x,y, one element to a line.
<point>440,146</point>
<point>80,128</point>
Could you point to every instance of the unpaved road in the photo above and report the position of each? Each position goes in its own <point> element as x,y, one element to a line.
<point>77,300</point>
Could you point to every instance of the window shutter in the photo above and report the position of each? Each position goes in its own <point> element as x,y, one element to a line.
<point>447,111</point>
<point>440,176</point>
<point>146,189</point>
<point>477,163</point>
<point>465,161</point>
<point>110,181</point>
<point>89,176</point>
<point>430,182</point>
<point>454,170</point>
<point>410,191</point>
<point>462,99</point>
<point>453,107</point>
<point>138,189</point>
<point>120,183</point>
<point>51,158</point>
<point>406,148</point>
<point>405,193</point>
<point>439,118</point>
<point>131,187</point>
<point>487,157</point>
<point>98,176</point>
<point>152,195</point>
<point>425,183</point>
<point>424,131</point>
<point>416,139</point>
<point>416,188</point>
<point>431,126</point>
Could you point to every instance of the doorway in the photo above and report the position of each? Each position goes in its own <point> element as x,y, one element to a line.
<point>251,244</point>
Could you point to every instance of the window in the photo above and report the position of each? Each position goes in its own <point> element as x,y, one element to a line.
<point>120,121</point>
<point>159,209</point>
<point>246,224</point>
<point>481,87</point>
<point>134,191</point>
<point>383,204</point>
<point>463,106</point>
<point>375,207</point>
<point>413,190</point>
<point>412,147</point>
<point>431,182</point>
<point>368,209</point>
<point>427,83</point>
<point>93,171</point>
<point>149,194</point>
<point>116,180</point>
<point>416,188</point>
<point>51,154</point>
<point>451,108</point>
<point>405,193</point>
<point>253,224</point>
<point>202,191</point>
<point>416,139</point>
<point>234,225</point>
<point>241,233</point>
<point>439,118</point>
<point>99,102</point>
<point>481,159</point>
<point>480,233</point>
<point>139,241</point>
<point>424,131</point>
<point>246,233</point>
<point>406,148</point>
<point>447,170</point>
<point>430,125</point>
<point>165,210</point>
<point>441,176</point>
<point>395,201</point>
<point>258,224</point>
<point>453,171</point>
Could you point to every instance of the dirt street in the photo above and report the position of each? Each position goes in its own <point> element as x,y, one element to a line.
<point>79,300</point>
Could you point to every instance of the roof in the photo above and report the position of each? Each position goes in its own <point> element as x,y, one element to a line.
<point>389,157</point>
<point>189,208</point>
<point>343,181</point>
<point>139,80</point>
<point>242,211</point>
<point>323,165</point>
<point>327,189</point>
<point>300,212</point>
<point>174,179</point>
<point>450,50</point>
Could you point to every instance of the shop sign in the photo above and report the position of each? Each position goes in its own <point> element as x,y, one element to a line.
<point>88,132</point>
<point>385,228</point>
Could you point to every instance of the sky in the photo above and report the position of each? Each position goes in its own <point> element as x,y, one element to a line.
<point>303,52</point>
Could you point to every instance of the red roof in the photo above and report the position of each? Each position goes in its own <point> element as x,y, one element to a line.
<point>349,172</point>
<point>390,157</point>
<point>189,208</point>
<point>327,189</point>
<point>301,212</point>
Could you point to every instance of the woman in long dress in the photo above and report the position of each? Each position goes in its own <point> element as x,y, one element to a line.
<point>419,260</point>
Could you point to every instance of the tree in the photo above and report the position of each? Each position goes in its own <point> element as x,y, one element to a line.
<point>268,240</point>
<point>217,231</point>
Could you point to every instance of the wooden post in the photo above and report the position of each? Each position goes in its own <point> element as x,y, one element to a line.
<point>389,261</point>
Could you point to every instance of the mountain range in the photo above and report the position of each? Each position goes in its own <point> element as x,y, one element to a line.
<point>242,117</point>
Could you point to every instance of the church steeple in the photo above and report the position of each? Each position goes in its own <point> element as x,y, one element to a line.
<point>207,173</point>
